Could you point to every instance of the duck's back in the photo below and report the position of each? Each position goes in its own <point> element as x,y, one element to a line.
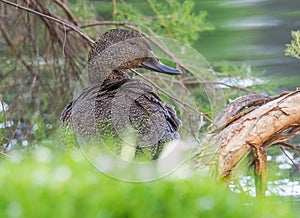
<point>120,106</point>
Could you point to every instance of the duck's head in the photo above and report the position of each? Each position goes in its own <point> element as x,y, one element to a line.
<point>119,49</point>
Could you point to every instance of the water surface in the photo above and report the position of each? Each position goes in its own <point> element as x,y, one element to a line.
<point>253,32</point>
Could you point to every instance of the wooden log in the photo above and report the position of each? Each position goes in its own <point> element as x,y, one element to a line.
<point>251,132</point>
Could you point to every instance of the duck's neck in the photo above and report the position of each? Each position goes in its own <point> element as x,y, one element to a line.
<point>102,69</point>
<point>107,77</point>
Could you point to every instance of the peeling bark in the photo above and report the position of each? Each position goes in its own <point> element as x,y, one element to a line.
<point>273,122</point>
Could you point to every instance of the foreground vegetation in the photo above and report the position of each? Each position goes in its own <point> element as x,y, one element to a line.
<point>52,183</point>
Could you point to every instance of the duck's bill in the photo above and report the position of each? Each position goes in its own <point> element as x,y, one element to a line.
<point>156,65</point>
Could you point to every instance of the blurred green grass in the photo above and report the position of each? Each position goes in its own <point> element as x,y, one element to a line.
<point>49,183</point>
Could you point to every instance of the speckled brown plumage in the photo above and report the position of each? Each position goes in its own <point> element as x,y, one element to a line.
<point>113,102</point>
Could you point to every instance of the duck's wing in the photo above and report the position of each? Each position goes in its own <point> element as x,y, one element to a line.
<point>91,94</point>
<point>66,113</point>
<point>82,96</point>
<point>137,105</point>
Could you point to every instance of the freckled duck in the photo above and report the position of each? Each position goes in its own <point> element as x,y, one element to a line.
<point>113,102</point>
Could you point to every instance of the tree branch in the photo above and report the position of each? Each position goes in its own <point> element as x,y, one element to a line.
<point>170,96</point>
<point>57,20</point>
<point>67,11</point>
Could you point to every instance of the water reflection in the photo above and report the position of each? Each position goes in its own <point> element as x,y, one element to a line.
<point>240,3</point>
<point>253,22</point>
<point>253,32</point>
<point>284,187</point>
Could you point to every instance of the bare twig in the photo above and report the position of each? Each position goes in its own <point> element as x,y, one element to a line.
<point>4,154</point>
<point>134,26</point>
<point>196,82</point>
<point>164,48</point>
<point>10,43</point>
<point>5,36</point>
<point>170,96</point>
<point>290,146</point>
<point>4,119</point>
<point>12,136</point>
<point>67,11</point>
<point>282,149</point>
<point>280,138</point>
<point>57,20</point>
